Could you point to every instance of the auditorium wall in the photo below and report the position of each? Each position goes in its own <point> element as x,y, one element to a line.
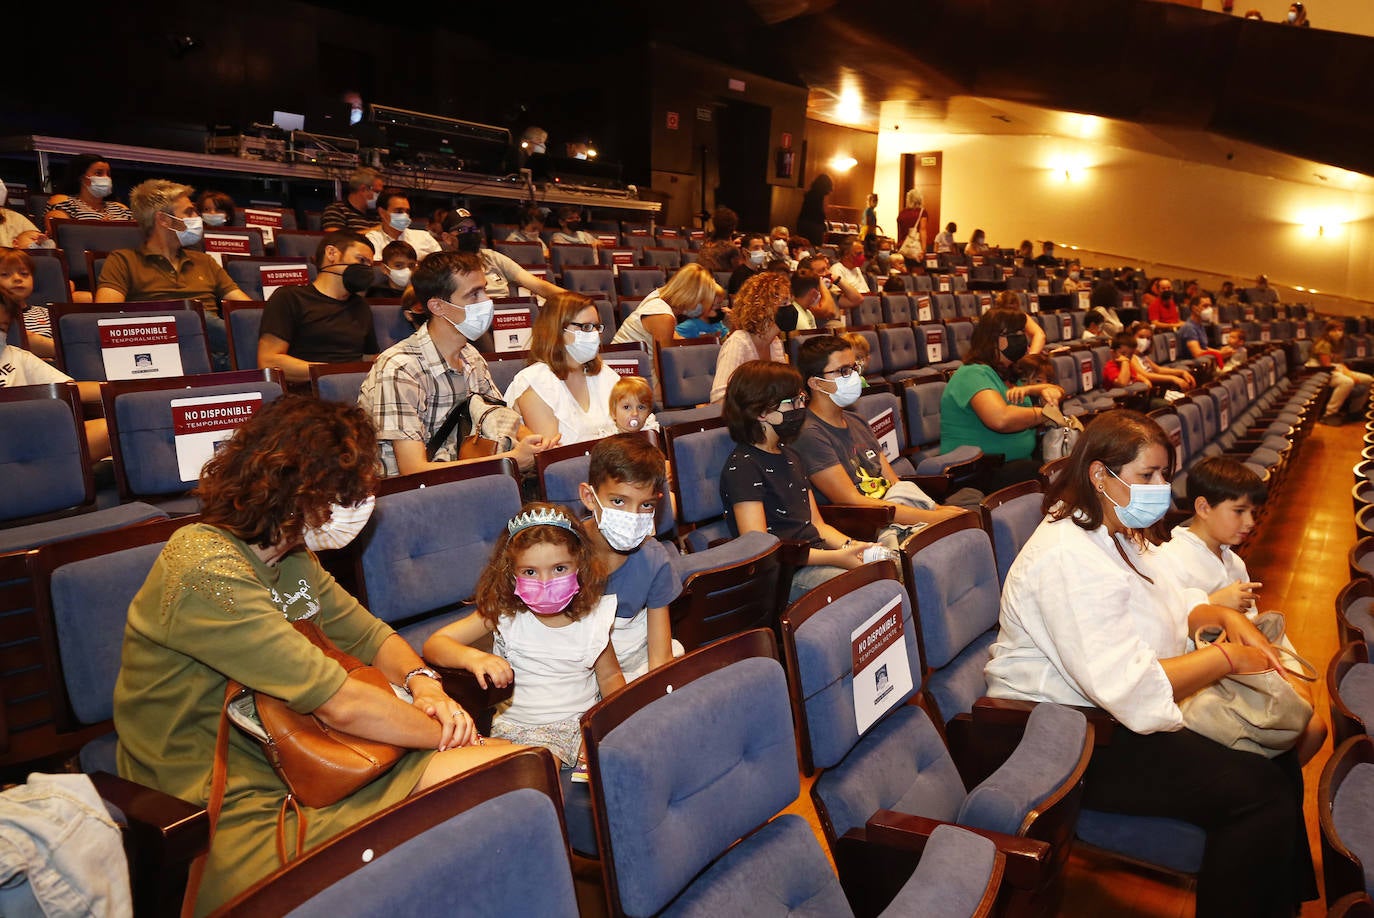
<point>1148,209</point>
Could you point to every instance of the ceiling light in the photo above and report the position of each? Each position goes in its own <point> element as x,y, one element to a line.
<point>843,162</point>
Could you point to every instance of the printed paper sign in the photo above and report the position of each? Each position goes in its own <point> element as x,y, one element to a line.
<point>1087,377</point>
<point>923,310</point>
<point>639,232</point>
<point>932,261</point>
<point>1042,286</point>
<point>668,233</point>
<point>944,283</point>
<point>1224,408</point>
<point>984,303</point>
<point>1007,272</point>
<point>274,276</point>
<point>935,345</point>
<point>266,220</point>
<point>622,258</point>
<point>138,347</point>
<point>1172,346</point>
<point>699,235</point>
<point>1301,330</point>
<point>1266,332</point>
<point>542,274</point>
<point>621,366</point>
<point>1249,313</point>
<point>977,261</point>
<point>1361,349</point>
<point>1083,300</point>
<point>1065,327</point>
<point>217,245</point>
<point>1034,303</point>
<point>1127,301</point>
<point>884,427</point>
<point>961,270</point>
<point>882,673</point>
<point>1249,385</point>
<point>511,329</point>
<point>1176,438</point>
<point>200,425</point>
<point>608,239</point>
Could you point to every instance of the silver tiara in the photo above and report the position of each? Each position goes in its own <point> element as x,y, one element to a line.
<point>540,517</point>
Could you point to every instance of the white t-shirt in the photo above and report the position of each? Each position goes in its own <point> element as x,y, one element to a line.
<point>13,226</point>
<point>420,240</point>
<point>632,329</point>
<point>555,677</point>
<point>1078,626</point>
<point>20,368</point>
<point>854,277</point>
<point>736,350</point>
<point>575,424</point>
<point>502,273</point>
<point>944,242</point>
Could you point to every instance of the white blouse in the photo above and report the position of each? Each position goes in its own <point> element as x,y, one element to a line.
<point>1078,626</point>
<point>575,424</point>
<point>555,668</point>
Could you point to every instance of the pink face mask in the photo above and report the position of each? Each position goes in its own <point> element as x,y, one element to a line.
<point>547,597</point>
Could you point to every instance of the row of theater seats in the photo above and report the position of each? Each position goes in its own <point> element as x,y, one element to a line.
<point>1345,794</point>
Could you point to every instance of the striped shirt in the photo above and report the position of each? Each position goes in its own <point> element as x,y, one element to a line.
<point>77,210</point>
<point>342,215</point>
<point>36,321</point>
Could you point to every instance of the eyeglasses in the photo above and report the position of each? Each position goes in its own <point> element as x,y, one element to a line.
<point>847,370</point>
<point>585,326</point>
<point>800,400</point>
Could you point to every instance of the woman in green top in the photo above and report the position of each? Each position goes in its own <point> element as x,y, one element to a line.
<point>978,409</point>
<point>296,477</point>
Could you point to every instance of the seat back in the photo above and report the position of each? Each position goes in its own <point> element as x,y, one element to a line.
<point>715,780</point>
<point>896,308</point>
<point>503,820</point>
<point>255,276</point>
<point>898,347</point>
<point>1343,794</point>
<point>297,243</point>
<point>590,280</point>
<point>76,332</point>
<point>50,276</point>
<point>868,312</point>
<point>563,254</point>
<point>640,281</point>
<point>43,459</point>
<point>412,561</point>
<point>244,321</point>
<point>697,453</point>
<point>338,382</point>
<point>389,323</point>
<point>1350,686</point>
<point>729,588</point>
<point>951,574</point>
<point>932,344</point>
<point>686,370</point>
<point>160,445</point>
<point>922,400</point>
<point>1011,515</point>
<point>522,253</point>
<point>668,258</point>
<point>77,237</point>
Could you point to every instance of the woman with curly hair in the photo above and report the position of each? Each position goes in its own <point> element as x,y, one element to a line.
<point>756,335</point>
<point>219,604</point>
<point>543,595</point>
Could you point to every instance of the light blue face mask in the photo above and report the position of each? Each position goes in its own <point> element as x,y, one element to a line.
<point>1147,505</point>
<point>400,222</point>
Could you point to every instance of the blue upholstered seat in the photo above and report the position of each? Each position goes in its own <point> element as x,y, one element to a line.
<point>341,387</point>
<point>245,325</point>
<point>698,458</point>
<point>80,341</point>
<point>688,372</point>
<point>1013,519</point>
<point>1349,799</point>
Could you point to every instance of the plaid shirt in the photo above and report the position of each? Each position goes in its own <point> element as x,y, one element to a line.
<point>411,389</point>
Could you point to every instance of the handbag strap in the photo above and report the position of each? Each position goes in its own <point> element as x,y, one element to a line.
<point>452,420</point>
<point>219,774</point>
<point>1293,664</point>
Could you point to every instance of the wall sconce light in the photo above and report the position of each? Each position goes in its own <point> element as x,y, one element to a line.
<point>842,162</point>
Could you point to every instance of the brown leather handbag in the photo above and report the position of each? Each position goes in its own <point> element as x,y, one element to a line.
<point>320,765</point>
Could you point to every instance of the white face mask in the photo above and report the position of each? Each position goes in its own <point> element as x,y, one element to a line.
<point>214,219</point>
<point>372,202</point>
<point>476,319</point>
<point>342,526</point>
<point>623,530</point>
<point>1205,316</point>
<point>399,276</point>
<point>100,186</point>
<point>584,347</point>
<point>847,389</point>
<point>758,256</point>
<point>1142,346</point>
<point>355,115</point>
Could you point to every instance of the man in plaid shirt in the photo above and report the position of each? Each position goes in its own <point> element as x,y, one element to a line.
<point>416,383</point>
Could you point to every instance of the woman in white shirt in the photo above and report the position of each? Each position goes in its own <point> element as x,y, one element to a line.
<point>756,335</point>
<point>566,390</point>
<point>1091,615</point>
<point>691,293</point>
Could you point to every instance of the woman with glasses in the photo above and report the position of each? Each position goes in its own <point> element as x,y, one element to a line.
<point>754,319</point>
<point>763,486</point>
<point>979,409</point>
<point>566,390</point>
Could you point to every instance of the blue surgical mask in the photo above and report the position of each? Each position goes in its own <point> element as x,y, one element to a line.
<point>400,222</point>
<point>1147,505</point>
<point>694,312</point>
<point>194,230</point>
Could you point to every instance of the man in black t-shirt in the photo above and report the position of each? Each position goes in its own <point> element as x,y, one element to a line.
<point>327,320</point>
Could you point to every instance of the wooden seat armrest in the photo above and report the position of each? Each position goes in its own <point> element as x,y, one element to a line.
<point>480,703</point>
<point>164,835</point>
<point>939,486</point>
<point>1028,859</point>
<point>858,521</point>
<point>1012,712</point>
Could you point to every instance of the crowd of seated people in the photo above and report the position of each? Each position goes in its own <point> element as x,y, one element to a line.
<point>577,604</point>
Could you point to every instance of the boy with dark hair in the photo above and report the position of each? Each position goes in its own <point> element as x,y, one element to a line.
<point>1225,496</point>
<point>625,482</point>
<point>1117,372</point>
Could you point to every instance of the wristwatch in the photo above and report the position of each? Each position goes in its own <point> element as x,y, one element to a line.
<point>421,671</point>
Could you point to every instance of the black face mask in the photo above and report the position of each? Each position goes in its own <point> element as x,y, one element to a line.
<point>790,426</point>
<point>1016,346</point>
<point>356,278</point>
<point>1167,296</point>
<point>469,242</point>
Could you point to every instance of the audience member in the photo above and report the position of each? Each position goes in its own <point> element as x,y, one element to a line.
<point>1073,278</point>
<point>1105,298</point>
<point>755,250</point>
<point>1261,294</point>
<point>358,210</point>
<point>16,279</point>
<point>1235,340</point>
<point>570,228</point>
<point>840,455</point>
<point>1327,353</point>
<point>848,271</point>
<point>1161,305</point>
<point>911,226</point>
<point>398,261</point>
<point>1025,253</point>
<point>626,478</point>
<point>756,335</point>
<point>14,224</point>
<point>778,243</point>
<point>978,409</point>
<point>1046,258</point>
<point>505,276</point>
<point>834,294</point>
<point>869,225</point>
<point>632,405</point>
<point>763,486</point>
<point>296,477</point>
<point>978,244</point>
<point>543,595</point>
<point>1118,373</point>
<point>86,193</point>
<point>1035,332</point>
<point>724,225</point>
<point>415,384</point>
<point>690,294</point>
<point>1297,16</point>
<point>1144,366</point>
<point>944,242</point>
<point>1193,333</point>
<point>1093,332</point>
<point>216,208</point>
<point>326,320</point>
<point>393,208</point>
<point>565,391</point>
<point>1228,295</point>
<point>811,218</point>
<point>531,230</point>
<point>1091,615</point>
